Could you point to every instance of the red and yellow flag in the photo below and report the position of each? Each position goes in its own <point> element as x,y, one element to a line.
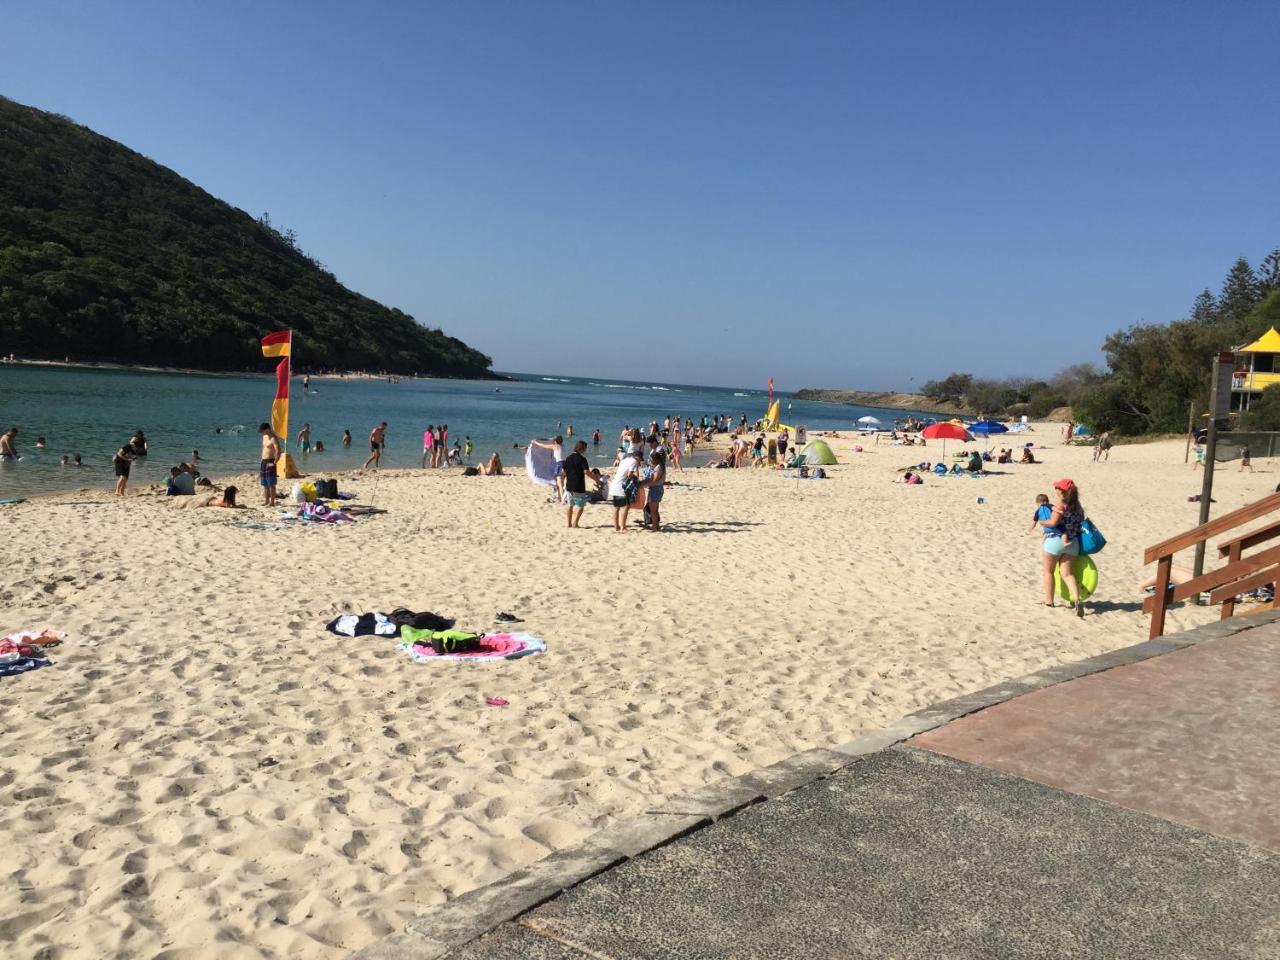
<point>280,405</point>
<point>277,344</point>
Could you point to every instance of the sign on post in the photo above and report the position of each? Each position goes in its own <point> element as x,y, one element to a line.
<point>1221,389</point>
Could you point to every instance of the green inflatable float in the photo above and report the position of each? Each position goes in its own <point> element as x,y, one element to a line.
<point>1086,575</point>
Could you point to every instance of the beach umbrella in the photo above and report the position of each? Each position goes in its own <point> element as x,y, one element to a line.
<point>986,428</point>
<point>868,422</point>
<point>945,432</point>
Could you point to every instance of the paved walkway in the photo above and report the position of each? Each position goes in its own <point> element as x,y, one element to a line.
<point>1132,813</point>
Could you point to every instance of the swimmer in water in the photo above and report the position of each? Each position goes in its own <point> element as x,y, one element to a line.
<point>9,450</point>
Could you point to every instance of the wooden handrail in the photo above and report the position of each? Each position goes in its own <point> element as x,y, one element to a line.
<point>1238,575</point>
<point>1211,529</point>
<point>1217,578</point>
<point>1237,587</point>
<point>1251,539</point>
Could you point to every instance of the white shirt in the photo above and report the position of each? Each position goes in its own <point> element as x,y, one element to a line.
<point>625,469</point>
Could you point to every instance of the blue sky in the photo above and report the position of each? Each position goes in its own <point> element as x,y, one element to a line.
<point>833,194</point>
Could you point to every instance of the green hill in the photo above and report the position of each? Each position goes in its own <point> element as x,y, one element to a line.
<point>108,256</point>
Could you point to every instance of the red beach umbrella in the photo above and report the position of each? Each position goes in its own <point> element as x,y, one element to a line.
<point>945,432</point>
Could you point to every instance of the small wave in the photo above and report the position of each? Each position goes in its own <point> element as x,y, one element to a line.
<point>742,394</point>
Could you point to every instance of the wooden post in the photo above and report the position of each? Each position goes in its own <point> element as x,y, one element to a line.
<point>1164,566</point>
<point>1191,432</point>
<point>1229,605</point>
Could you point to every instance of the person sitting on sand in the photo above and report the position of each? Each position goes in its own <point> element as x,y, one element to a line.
<point>1027,456</point>
<point>181,483</point>
<point>493,468</point>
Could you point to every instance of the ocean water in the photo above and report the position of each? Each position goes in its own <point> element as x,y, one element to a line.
<point>93,412</point>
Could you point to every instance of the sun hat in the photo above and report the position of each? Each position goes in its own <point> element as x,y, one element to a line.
<point>1063,484</point>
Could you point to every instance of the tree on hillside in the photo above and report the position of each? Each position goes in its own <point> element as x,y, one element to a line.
<point>1205,308</point>
<point>1240,292</point>
<point>951,390</point>
<point>1269,271</point>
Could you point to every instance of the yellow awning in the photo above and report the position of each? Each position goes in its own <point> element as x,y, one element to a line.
<point>1269,342</point>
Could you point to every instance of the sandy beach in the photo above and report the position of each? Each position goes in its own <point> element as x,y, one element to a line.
<point>206,772</point>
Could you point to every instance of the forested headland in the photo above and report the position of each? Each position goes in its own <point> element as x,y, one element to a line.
<point>108,256</point>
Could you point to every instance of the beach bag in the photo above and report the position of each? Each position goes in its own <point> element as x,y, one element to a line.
<point>630,487</point>
<point>1091,538</point>
<point>296,494</point>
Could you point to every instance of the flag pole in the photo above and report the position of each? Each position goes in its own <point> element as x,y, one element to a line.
<point>288,385</point>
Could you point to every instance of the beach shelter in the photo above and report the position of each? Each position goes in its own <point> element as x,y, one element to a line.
<point>1082,431</point>
<point>945,432</point>
<point>818,452</point>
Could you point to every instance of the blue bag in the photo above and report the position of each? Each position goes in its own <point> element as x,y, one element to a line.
<point>1091,538</point>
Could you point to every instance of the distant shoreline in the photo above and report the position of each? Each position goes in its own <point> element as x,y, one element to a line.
<point>145,368</point>
<point>886,399</point>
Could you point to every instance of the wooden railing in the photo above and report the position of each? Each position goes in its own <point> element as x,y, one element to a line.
<point>1241,573</point>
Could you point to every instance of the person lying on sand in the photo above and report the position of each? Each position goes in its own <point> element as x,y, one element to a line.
<point>228,499</point>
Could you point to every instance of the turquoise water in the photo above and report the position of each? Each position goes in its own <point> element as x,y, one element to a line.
<point>93,412</point>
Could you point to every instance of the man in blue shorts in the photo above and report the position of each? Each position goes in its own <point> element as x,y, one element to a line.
<point>575,482</point>
<point>267,466</point>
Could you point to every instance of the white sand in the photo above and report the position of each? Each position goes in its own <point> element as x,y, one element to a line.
<point>137,817</point>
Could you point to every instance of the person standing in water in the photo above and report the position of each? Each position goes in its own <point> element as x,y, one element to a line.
<point>304,438</point>
<point>377,439</point>
<point>123,460</point>
<point>267,465</point>
<point>429,445</point>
